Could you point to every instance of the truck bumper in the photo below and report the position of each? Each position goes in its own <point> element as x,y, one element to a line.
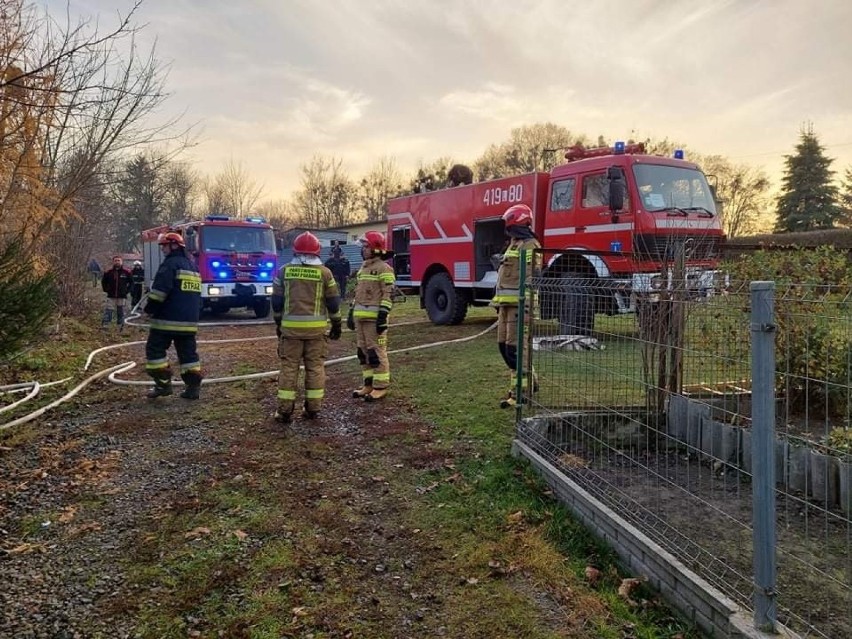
<point>229,292</point>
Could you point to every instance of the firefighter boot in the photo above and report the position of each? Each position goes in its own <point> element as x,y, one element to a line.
<point>508,401</point>
<point>283,417</point>
<point>375,394</point>
<point>365,390</point>
<point>119,317</point>
<point>191,391</point>
<point>162,388</point>
<point>106,320</point>
<point>308,413</point>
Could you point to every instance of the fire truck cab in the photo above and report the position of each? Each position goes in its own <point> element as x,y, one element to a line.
<point>609,219</point>
<point>236,259</point>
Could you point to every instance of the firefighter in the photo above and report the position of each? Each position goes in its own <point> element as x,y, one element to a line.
<point>174,304</point>
<point>518,220</point>
<point>368,316</point>
<point>138,282</point>
<point>116,284</point>
<point>339,267</point>
<point>304,298</point>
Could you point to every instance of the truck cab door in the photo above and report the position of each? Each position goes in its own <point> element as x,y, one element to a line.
<point>604,228</point>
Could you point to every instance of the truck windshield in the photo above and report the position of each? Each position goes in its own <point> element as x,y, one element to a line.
<point>239,239</point>
<point>673,188</point>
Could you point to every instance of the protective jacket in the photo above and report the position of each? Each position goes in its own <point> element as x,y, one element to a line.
<point>509,273</point>
<point>174,301</point>
<point>138,275</point>
<point>374,289</point>
<point>116,282</point>
<point>339,267</point>
<point>304,298</point>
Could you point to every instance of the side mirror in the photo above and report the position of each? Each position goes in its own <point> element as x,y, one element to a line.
<point>617,186</point>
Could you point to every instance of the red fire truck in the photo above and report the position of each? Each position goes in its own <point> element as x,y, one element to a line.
<point>609,219</point>
<point>235,257</point>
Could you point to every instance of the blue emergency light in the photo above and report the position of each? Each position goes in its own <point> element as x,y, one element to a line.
<point>215,263</point>
<point>223,274</point>
<point>256,220</point>
<point>270,265</point>
<point>217,218</point>
<point>619,147</point>
<point>263,275</point>
<point>678,154</point>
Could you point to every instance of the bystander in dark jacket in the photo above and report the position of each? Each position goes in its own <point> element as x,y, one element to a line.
<point>339,267</point>
<point>116,284</point>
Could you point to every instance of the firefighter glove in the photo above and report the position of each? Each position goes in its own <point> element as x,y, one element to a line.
<point>350,319</point>
<point>382,321</point>
<point>336,329</point>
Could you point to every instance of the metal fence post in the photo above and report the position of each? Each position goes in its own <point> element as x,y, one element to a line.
<point>763,453</point>
<point>519,364</point>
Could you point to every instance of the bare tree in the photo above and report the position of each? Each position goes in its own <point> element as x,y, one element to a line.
<point>239,192</point>
<point>70,100</point>
<point>213,196</point>
<point>151,189</point>
<point>327,196</point>
<point>537,147</point>
<point>381,183</point>
<point>433,175</point>
<point>279,213</point>
<point>743,191</point>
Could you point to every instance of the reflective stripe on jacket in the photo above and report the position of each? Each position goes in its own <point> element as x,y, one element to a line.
<point>373,289</point>
<point>509,273</point>
<point>304,298</point>
<point>174,301</point>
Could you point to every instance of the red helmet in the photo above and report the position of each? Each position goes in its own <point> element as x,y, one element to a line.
<point>373,240</point>
<point>306,243</point>
<point>171,238</point>
<point>518,215</point>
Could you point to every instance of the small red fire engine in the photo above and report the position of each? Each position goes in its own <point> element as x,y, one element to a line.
<point>236,259</point>
<point>608,219</point>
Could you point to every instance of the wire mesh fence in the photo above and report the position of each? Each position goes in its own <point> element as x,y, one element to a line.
<point>651,413</point>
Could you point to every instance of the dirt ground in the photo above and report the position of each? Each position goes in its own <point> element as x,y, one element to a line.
<point>116,508</point>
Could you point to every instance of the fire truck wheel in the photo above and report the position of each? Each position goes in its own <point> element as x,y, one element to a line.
<point>444,304</point>
<point>261,308</point>
<point>576,310</point>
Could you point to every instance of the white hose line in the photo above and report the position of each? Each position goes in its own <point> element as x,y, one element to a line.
<point>41,411</point>
<point>113,371</point>
<point>329,362</point>
<point>135,314</point>
<point>203,341</point>
<point>36,387</point>
<point>23,386</point>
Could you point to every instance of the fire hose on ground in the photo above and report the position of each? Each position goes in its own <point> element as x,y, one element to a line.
<point>113,372</point>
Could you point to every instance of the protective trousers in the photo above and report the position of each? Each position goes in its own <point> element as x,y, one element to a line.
<point>116,303</point>
<point>157,362</point>
<point>293,351</point>
<point>507,343</point>
<point>372,354</point>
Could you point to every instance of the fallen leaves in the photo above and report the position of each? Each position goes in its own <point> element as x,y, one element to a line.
<point>195,533</point>
<point>627,587</point>
<point>68,514</point>
<point>593,575</point>
<point>26,548</point>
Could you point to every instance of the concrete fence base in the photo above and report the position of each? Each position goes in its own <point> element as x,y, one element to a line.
<point>696,598</point>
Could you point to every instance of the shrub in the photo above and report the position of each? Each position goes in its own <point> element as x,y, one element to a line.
<point>27,298</point>
<point>812,314</point>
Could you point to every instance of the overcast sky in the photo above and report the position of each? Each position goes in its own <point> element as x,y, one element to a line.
<point>274,82</point>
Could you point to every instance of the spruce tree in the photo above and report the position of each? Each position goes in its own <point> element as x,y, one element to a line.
<point>809,198</point>
<point>846,199</point>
